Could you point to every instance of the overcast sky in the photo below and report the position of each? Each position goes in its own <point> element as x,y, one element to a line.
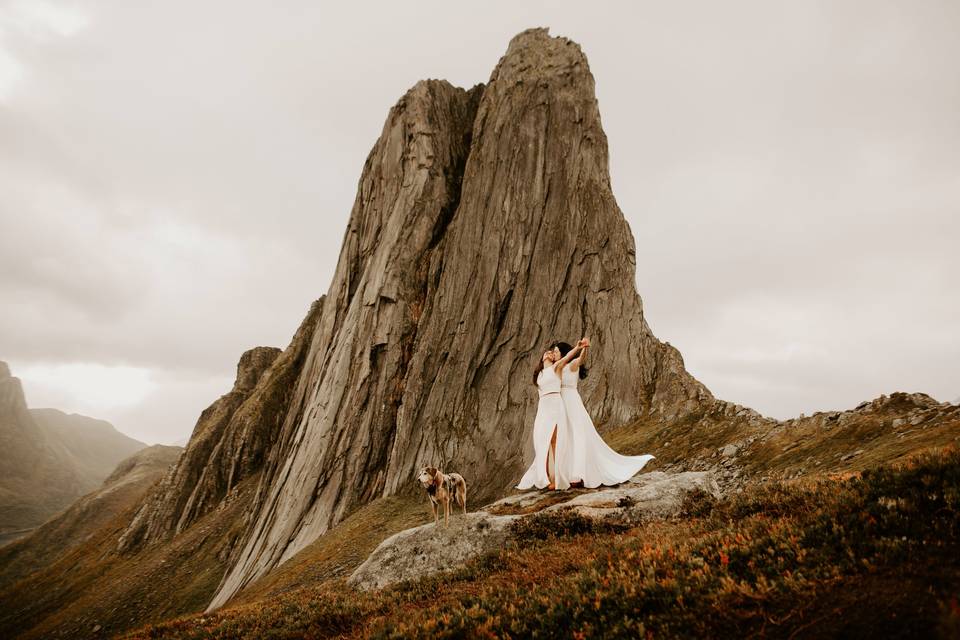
<point>175,179</point>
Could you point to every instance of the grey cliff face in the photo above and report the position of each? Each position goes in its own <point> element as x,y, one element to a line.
<point>483,229</point>
<point>338,434</point>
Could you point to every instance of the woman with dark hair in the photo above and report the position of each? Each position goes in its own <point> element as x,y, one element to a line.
<point>551,429</point>
<point>592,461</point>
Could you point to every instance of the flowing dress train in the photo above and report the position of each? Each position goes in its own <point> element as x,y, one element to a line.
<point>592,459</point>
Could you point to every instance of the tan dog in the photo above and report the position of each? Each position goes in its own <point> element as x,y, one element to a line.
<point>441,487</point>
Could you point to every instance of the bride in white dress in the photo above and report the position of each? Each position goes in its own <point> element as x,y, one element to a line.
<point>593,461</point>
<point>551,430</point>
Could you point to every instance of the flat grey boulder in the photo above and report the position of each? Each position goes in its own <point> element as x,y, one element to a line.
<point>429,549</point>
<point>647,496</point>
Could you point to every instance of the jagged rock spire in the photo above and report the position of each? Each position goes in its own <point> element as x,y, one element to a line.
<point>484,227</point>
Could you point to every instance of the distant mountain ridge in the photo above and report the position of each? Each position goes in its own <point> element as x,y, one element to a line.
<point>49,458</point>
<point>94,446</point>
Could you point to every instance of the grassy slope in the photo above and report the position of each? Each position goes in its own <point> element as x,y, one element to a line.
<point>853,557</point>
<point>340,551</point>
<point>91,585</point>
<point>126,487</point>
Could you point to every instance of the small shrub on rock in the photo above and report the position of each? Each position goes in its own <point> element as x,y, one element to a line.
<point>561,524</point>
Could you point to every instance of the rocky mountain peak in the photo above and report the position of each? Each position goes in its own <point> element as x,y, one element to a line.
<point>253,363</point>
<point>483,229</point>
<point>11,391</point>
<point>534,55</point>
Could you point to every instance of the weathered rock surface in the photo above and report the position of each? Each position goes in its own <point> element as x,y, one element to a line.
<point>335,446</point>
<point>484,228</point>
<point>230,441</point>
<point>648,496</point>
<point>428,549</point>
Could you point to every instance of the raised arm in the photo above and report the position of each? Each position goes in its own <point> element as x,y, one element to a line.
<point>580,360</point>
<point>565,360</point>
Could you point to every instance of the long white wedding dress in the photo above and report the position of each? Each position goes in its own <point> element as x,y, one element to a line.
<point>593,461</point>
<point>550,413</point>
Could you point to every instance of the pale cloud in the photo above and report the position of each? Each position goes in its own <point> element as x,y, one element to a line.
<point>10,72</point>
<point>91,388</point>
<point>176,178</point>
<point>37,21</point>
<point>41,20</point>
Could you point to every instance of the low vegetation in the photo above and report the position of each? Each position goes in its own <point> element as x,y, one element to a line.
<point>875,553</point>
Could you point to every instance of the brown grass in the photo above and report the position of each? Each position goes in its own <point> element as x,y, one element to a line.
<point>805,559</point>
<point>338,552</point>
<point>92,585</point>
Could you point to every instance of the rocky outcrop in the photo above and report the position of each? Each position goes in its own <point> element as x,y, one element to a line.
<point>429,549</point>
<point>738,445</point>
<point>483,229</point>
<point>538,250</point>
<point>230,441</point>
